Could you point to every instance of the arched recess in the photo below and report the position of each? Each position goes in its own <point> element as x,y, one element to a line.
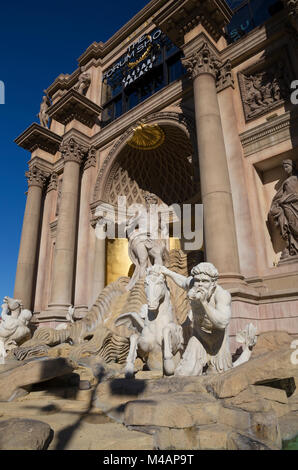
<point>170,171</point>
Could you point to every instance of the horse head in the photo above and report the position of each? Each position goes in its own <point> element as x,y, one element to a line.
<point>155,288</point>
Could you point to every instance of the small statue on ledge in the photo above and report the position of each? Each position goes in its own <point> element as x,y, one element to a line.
<point>83,83</point>
<point>284,210</point>
<point>43,113</point>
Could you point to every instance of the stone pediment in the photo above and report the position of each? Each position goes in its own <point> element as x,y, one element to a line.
<point>73,105</point>
<point>40,137</point>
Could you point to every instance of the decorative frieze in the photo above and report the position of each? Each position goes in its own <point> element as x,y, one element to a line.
<point>265,86</point>
<point>36,177</point>
<point>72,151</point>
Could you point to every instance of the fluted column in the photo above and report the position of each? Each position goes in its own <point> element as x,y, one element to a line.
<point>45,246</point>
<point>83,254</point>
<point>99,275</point>
<point>219,225</point>
<point>63,266</point>
<point>26,267</point>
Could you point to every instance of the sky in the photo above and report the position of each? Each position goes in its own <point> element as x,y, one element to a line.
<point>38,41</point>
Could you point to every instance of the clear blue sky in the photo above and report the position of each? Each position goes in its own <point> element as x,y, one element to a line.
<point>38,41</point>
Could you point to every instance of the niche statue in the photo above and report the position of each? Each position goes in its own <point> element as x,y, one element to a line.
<point>284,210</point>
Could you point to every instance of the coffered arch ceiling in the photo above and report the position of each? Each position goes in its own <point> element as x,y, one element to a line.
<point>169,171</point>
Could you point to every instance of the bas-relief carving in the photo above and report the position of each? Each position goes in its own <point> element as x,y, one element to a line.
<point>284,210</point>
<point>14,325</point>
<point>265,87</point>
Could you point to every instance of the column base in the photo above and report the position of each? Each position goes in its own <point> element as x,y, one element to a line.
<point>231,280</point>
<point>54,312</point>
<point>80,312</point>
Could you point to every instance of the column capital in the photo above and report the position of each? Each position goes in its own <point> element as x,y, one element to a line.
<point>202,61</point>
<point>36,177</point>
<point>53,182</point>
<point>91,158</point>
<point>225,77</point>
<point>72,151</point>
<point>292,7</point>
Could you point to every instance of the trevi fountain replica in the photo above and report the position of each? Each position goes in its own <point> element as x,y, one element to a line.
<point>149,366</point>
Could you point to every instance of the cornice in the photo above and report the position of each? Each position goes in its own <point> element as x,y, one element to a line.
<point>73,105</point>
<point>38,137</point>
<point>177,18</point>
<point>64,82</point>
<point>270,133</point>
<point>98,50</point>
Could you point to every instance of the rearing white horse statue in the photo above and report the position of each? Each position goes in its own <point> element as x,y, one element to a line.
<point>156,326</point>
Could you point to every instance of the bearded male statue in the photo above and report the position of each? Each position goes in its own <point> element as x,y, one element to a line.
<point>208,320</point>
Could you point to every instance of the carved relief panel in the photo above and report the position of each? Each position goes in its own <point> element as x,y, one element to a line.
<point>265,85</point>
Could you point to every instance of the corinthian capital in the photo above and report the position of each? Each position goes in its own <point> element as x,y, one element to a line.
<point>291,6</point>
<point>72,151</point>
<point>91,158</point>
<point>202,61</point>
<point>35,177</point>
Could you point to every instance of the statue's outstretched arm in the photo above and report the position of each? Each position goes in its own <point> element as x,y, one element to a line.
<point>181,281</point>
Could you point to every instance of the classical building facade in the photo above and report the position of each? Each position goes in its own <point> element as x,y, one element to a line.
<point>184,103</point>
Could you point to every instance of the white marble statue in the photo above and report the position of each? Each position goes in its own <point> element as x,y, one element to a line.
<point>155,326</point>
<point>14,325</point>
<point>146,239</point>
<point>208,346</point>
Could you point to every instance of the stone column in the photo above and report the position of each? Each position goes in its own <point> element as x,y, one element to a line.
<point>219,224</point>
<point>45,246</point>
<point>82,293</point>
<point>235,160</point>
<point>26,267</point>
<point>63,266</point>
<point>99,275</point>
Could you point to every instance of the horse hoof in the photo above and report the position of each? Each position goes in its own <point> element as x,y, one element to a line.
<point>169,366</point>
<point>129,373</point>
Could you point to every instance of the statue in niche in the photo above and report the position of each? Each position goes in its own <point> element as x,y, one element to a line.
<point>83,83</point>
<point>207,321</point>
<point>284,210</point>
<point>14,325</point>
<point>147,238</point>
<point>43,112</point>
